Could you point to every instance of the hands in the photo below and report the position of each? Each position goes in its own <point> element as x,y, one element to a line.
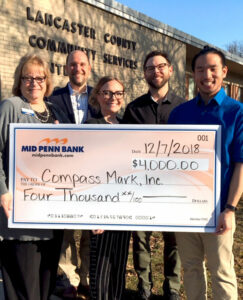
<point>225,222</point>
<point>98,231</point>
<point>6,201</point>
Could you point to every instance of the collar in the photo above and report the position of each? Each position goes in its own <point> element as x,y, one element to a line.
<point>73,92</point>
<point>218,98</point>
<point>165,100</point>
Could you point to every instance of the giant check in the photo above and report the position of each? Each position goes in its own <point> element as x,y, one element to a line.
<point>164,177</point>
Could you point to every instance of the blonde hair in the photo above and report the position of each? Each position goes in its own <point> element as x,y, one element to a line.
<point>31,59</point>
<point>95,91</point>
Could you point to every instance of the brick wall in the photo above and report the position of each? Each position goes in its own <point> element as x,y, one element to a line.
<point>115,45</point>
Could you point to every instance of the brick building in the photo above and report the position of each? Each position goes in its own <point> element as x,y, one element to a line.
<point>115,37</point>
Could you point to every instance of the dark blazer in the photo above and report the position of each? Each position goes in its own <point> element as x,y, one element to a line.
<point>61,97</point>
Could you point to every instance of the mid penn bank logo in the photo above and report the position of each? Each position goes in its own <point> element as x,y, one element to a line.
<point>54,145</point>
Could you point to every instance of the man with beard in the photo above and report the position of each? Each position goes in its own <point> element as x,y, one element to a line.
<point>154,108</point>
<point>73,100</point>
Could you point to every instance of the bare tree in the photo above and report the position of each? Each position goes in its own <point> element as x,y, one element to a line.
<point>235,47</point>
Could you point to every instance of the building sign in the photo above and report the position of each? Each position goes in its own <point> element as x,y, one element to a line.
<point>75,28</point>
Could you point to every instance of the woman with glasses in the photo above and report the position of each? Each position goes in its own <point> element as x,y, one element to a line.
<point>29,257</point>
<point>108,249</point>
<point>107,97</point>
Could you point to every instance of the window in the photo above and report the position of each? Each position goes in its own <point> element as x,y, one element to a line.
<point>227,89</point>
<point>240,94</point>
<point>191,88</point>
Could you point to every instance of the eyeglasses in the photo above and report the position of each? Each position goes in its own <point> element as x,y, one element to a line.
<point>160,67</point>
<point>108,94</point>
<point>39,79</point>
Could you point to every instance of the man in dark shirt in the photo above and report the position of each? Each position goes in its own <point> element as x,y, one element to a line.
<point>154,108</point>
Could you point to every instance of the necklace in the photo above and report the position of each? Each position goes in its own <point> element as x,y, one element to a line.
<point>44,116</point>
<point>110,121</point>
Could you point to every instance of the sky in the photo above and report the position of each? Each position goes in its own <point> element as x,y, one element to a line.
<point>217,22</point>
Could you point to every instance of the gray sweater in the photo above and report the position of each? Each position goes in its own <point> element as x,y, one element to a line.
<point>11,112</point>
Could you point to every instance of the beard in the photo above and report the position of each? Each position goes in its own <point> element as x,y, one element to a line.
<point>77,82</point>
<point>157,85</point>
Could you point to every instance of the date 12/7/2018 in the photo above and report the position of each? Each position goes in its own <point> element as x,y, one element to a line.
<point>174,147</point>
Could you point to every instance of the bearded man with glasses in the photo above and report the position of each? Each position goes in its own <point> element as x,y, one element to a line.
<point>154,108</point>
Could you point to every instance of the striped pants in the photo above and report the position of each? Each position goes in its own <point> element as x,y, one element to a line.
<point>108,259</point>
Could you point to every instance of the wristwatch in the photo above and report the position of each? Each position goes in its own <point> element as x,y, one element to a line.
<point>230,207</point>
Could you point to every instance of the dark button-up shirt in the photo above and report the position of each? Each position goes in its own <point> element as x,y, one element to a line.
<point>144,110</point>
